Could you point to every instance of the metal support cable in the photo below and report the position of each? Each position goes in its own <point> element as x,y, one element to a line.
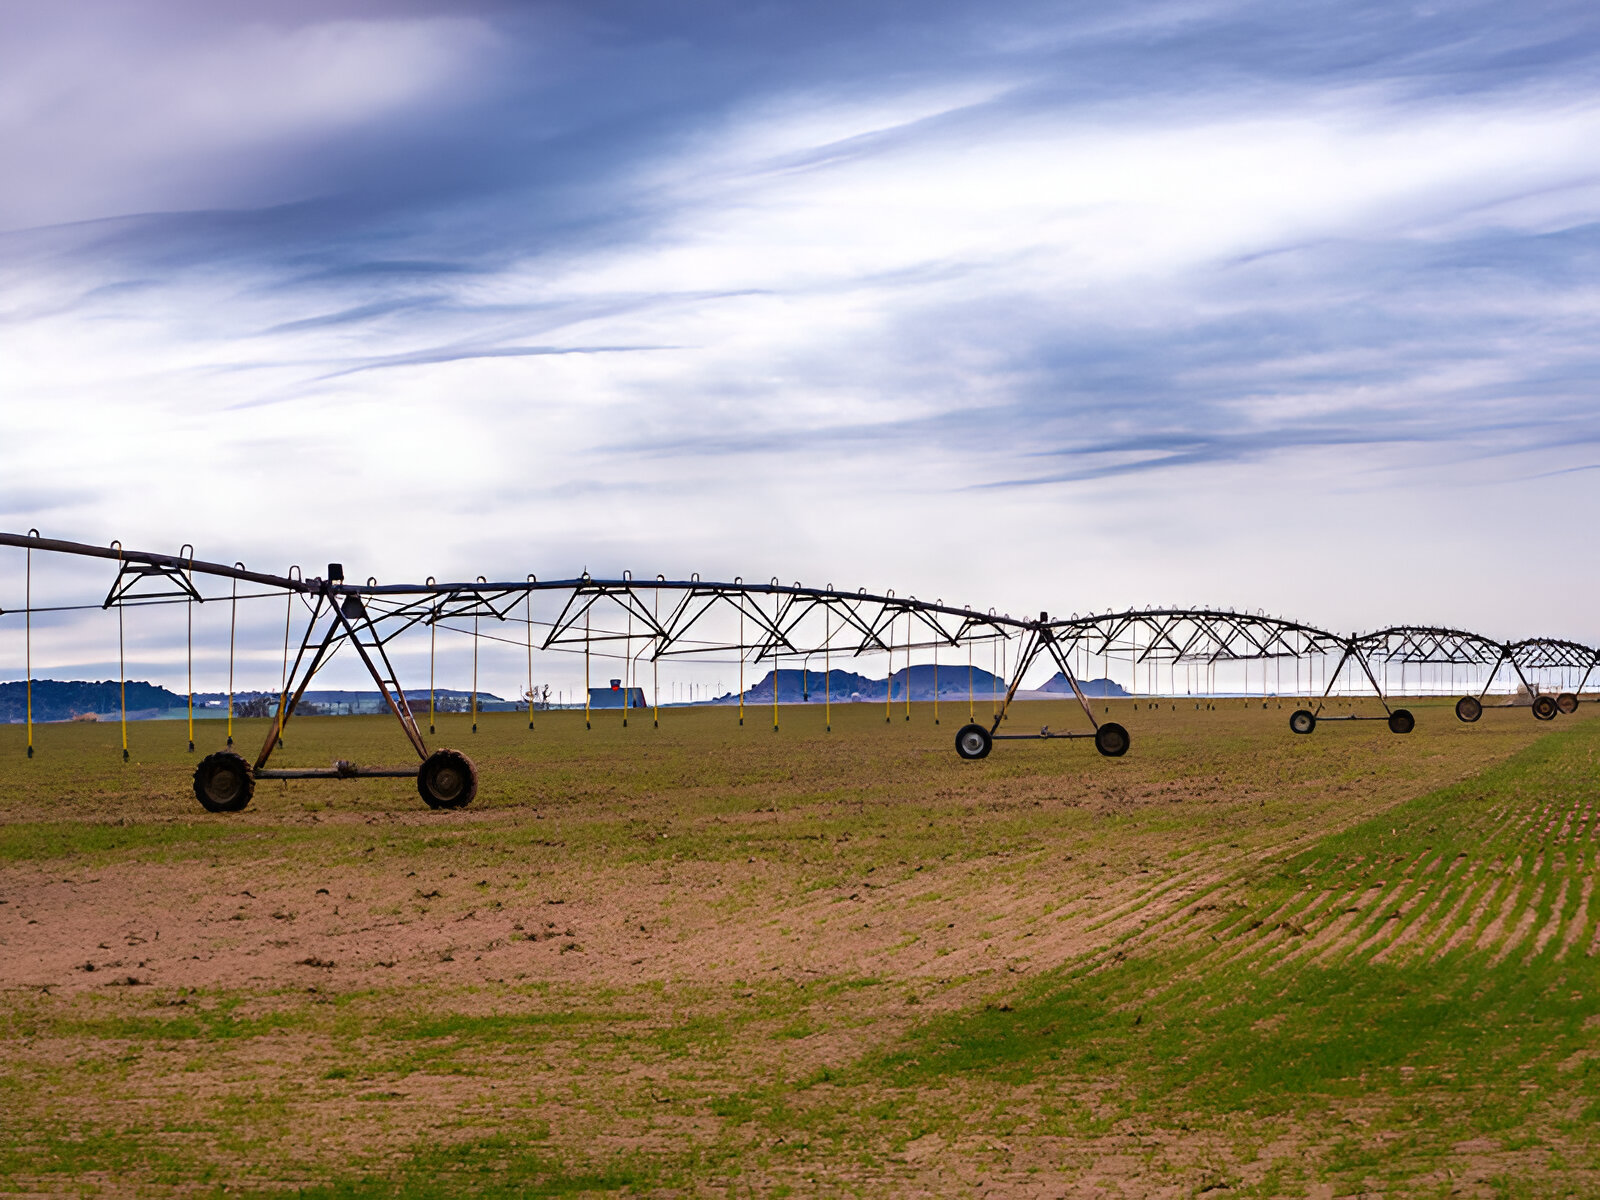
<point>908,666</point>
<point>233,627</point>
<point>433,645</point>
<point>481,579</point>
<point>283,688</point>
<point>189,653</point>
<point>122,665</point>
<point>528,600</point>
<point>27,634</point>
<point>888,696</point>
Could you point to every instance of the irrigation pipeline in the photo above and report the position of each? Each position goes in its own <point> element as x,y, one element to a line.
<point>609,618</point>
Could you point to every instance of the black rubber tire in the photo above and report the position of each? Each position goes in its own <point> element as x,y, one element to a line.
<point>447,779</point>
<point>1401,721</point>
<point>1112,740</point>
<point>1544,708</point>
<point>223,782</point>
<point>1567,703</point>
<point>1302,720</point>
<point>1469,709</point>
<point>973,742</point>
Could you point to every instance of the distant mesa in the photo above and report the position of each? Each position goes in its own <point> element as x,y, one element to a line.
<point>1091,687</point>
<point>955,682</point>
<point>798,685</point>
<point>74,700</point>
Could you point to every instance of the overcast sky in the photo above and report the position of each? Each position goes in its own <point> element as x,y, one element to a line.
<point>1068,306</point>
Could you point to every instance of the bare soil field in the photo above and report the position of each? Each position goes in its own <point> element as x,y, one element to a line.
<point>713,959</point>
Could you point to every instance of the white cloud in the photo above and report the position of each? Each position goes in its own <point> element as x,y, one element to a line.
<point>1082,198</point>
<point>849,310</point>
<point>116,121</point>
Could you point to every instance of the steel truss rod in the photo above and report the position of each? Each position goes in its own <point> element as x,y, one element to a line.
<point>1545,653</point>
<point>780,620</point>
<point>776,622</point>
<point>1041,640</point>
<point>1430,644</point>
<point>1193,636</point>
<point>347,620</point>
<point>167,562</point>
<point>1352,653</point>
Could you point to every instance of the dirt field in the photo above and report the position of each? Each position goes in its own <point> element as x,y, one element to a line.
<point>716,960</point>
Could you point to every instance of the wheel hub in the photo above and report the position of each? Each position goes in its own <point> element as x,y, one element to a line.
<point>223,786</point>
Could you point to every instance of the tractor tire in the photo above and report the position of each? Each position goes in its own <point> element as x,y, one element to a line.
<point>447,779</point>
<point>223,782</point>
<point>973,742</point>
<point>1112,740</point>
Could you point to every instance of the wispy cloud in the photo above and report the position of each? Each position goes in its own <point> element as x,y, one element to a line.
<point>773,267</point>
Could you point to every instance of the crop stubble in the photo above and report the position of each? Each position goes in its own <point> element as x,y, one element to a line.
<point>710,958</point>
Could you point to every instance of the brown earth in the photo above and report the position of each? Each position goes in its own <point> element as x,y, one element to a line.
<point>787,904</point>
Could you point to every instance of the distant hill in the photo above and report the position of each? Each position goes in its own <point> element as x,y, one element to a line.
<point>797,686</point>
<point>1091,687</point>
<point>61,700</point>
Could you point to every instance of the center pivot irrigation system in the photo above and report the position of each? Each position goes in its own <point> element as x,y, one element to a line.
<point>622,618</point>
<point>1170,652</point>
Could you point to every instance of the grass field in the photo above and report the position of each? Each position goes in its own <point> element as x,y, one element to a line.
<point>708,959</point>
